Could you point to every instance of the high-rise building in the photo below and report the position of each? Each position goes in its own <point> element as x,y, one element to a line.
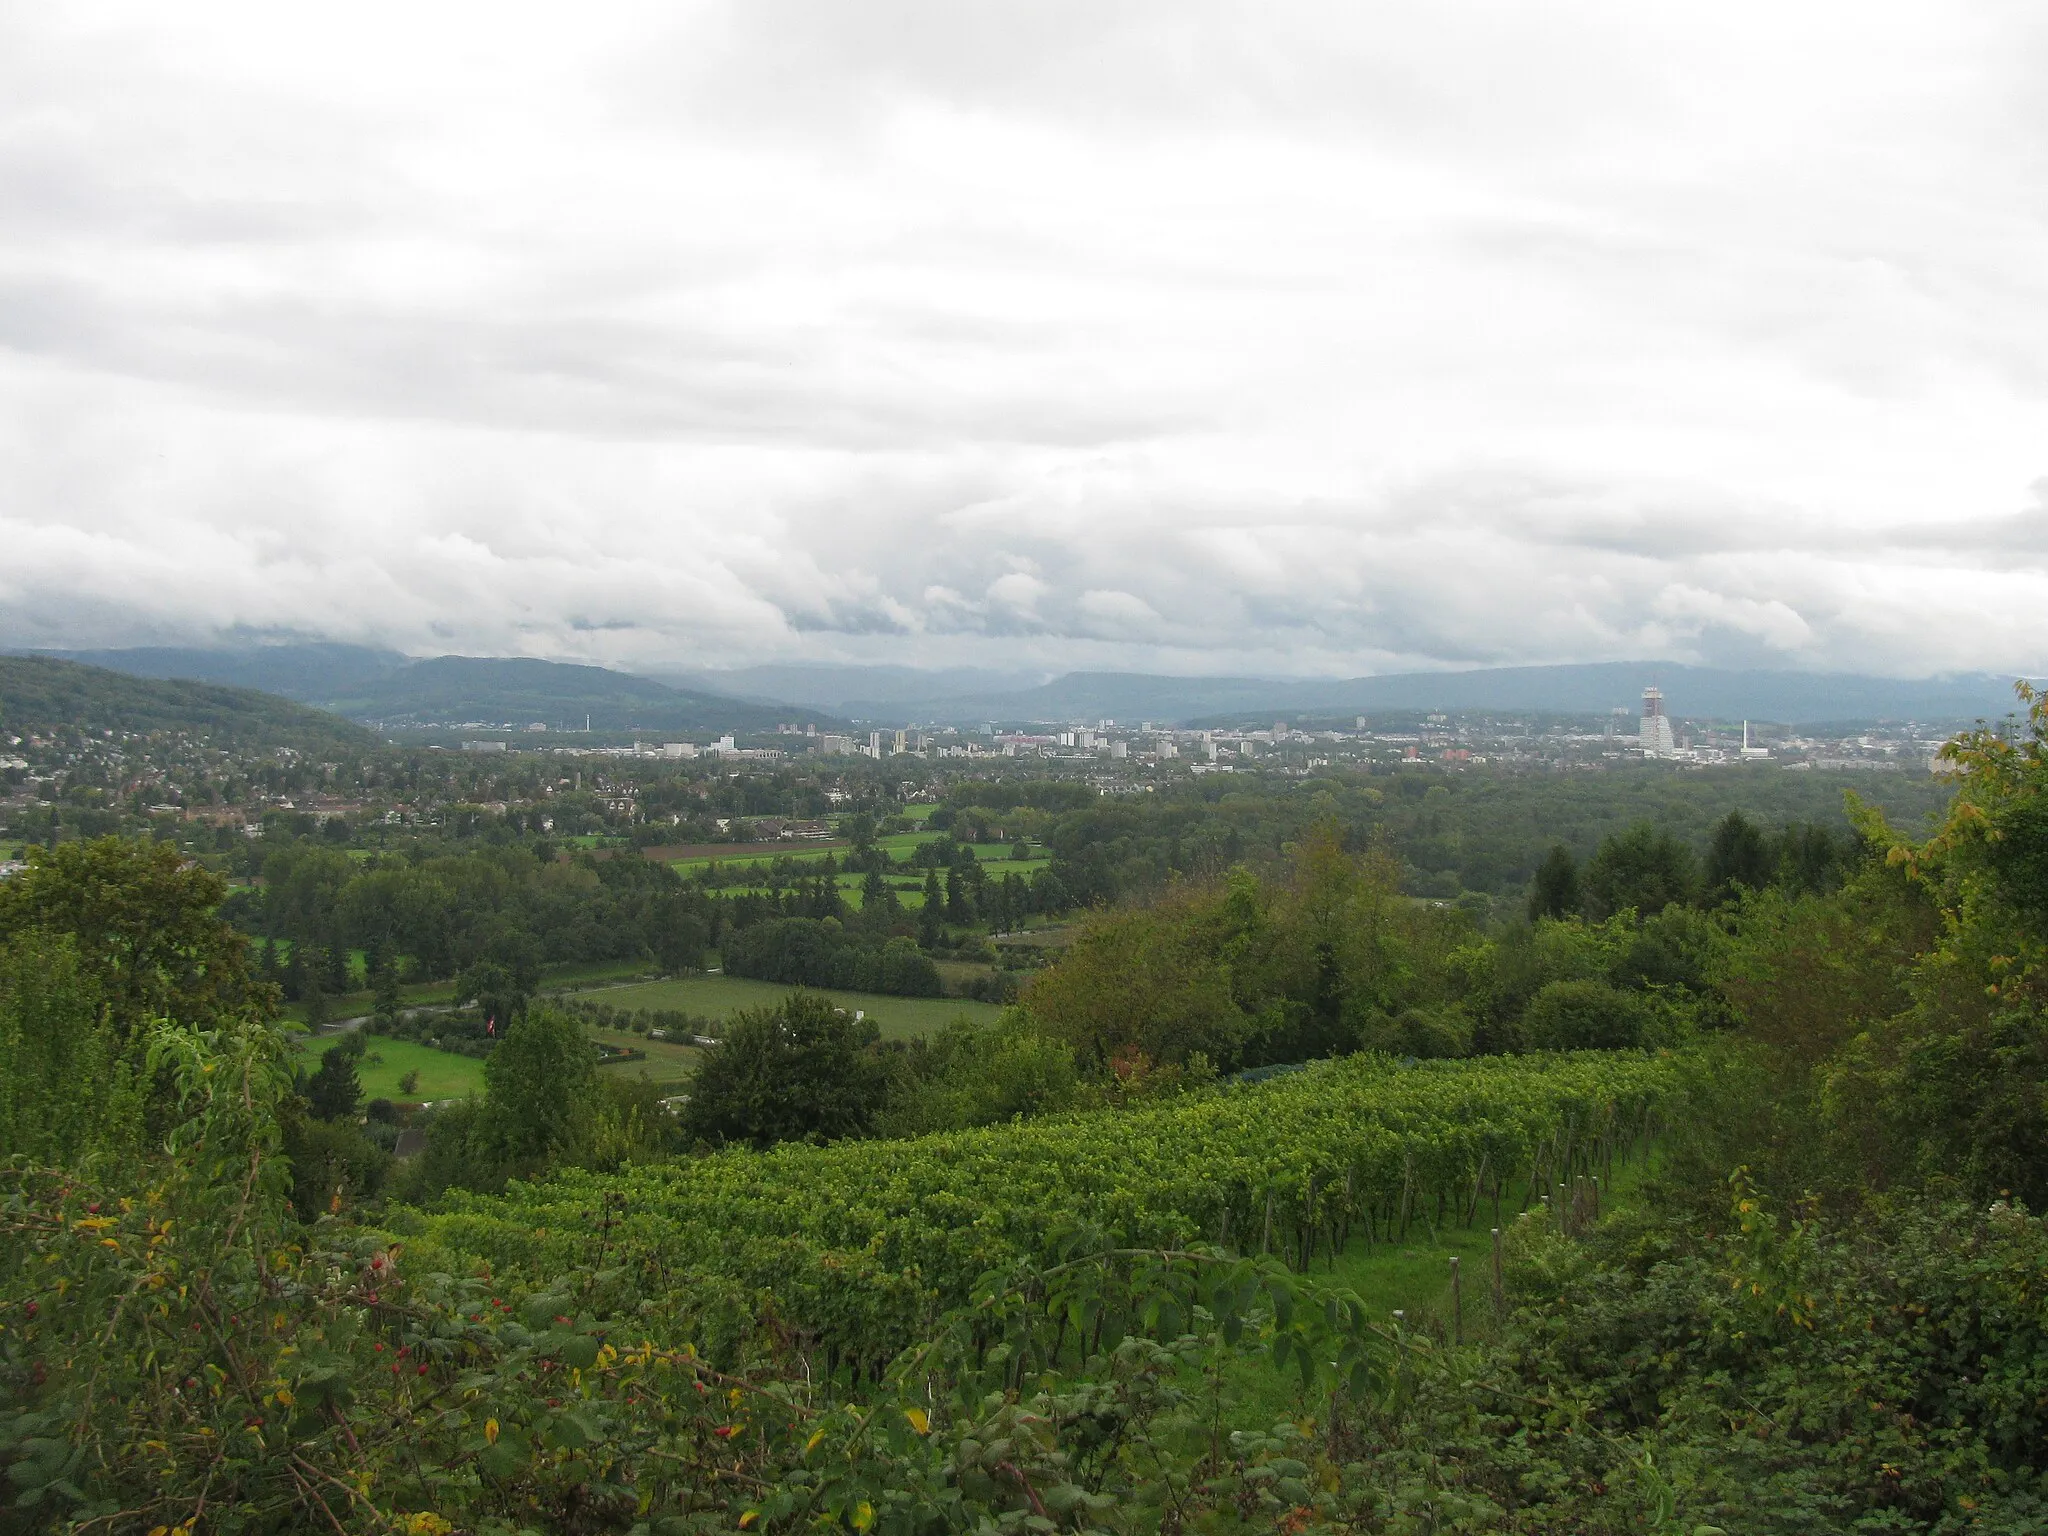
<point>1655,729</point>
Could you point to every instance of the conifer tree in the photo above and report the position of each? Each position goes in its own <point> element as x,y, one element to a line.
<point>1556,891</point>
<point>931,927</point>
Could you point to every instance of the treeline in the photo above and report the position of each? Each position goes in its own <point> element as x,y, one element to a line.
<point>518,908</point>
<point>1324,955</point>
<point>822,953</point>
<point>1474,838</point>
<point>1647,868</point>
<point>1475,834</point>
<point>511,904</point>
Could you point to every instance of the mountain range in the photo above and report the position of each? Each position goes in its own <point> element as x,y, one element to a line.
<point>1789,698</point>
<point>385,687</point>
<point>394,690</point>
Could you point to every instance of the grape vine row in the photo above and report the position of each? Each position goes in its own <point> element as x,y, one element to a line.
<point>854,1250</point>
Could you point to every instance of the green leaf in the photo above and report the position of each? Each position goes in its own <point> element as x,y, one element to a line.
<point>504,1459</point>
<point>540,1312</point>
<point>563,1432</point>
<point>1283,1303</point>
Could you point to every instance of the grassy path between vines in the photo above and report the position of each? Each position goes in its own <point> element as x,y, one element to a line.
<point>1414,1278</point>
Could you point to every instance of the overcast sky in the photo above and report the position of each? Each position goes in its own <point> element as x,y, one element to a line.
<point>1279,337</point>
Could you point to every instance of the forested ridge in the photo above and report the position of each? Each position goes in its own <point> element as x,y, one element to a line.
<point>41,694</point>
<point>1757,1106</point>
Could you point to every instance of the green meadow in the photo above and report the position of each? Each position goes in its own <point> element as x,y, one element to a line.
<point>716,997</point>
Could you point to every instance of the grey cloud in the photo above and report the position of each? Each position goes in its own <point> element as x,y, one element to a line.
<point>1429,78</point>
<point>2015,537</point>
<point>1187,332</point>
<point>592,375</point>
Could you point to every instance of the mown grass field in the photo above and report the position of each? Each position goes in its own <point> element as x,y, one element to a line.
<point>749,855</point>
<point>716,997</point>
<point>668,1064</point>
<point>435,994</point>
<point>910,885</point>
<point>443,1074</point>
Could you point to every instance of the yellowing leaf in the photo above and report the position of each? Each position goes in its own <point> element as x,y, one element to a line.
<point>491,1430</point>
<point>863,1515</point>
<point>919,1420</point>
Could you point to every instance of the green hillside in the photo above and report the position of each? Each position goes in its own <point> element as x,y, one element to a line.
<point>41,693</point>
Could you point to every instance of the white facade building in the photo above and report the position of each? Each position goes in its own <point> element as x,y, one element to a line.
<point>1655,730</point>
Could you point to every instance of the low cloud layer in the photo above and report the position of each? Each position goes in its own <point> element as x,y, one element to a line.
<point>1191,336</point>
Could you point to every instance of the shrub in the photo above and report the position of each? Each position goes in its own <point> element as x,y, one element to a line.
<point>1432,1032</point>
<point>1585,1015</point>
<point>800,1071</point>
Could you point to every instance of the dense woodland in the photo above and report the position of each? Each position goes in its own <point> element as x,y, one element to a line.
<point>1752,1088</point>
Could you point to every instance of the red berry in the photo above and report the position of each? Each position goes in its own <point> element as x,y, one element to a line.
<point>32,1308</point>
<point>423,1370</point>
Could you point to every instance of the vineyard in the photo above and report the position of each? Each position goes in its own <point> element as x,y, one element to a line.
<point>856,1249</point>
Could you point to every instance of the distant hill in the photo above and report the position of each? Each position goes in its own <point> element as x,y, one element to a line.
<point>1709,693</point>
<point>373,685</point>
<point>449,690</point>
<point>851,690</point>
<point>309,671</point>
<point>1792,698</point>
<point>40,693</point>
